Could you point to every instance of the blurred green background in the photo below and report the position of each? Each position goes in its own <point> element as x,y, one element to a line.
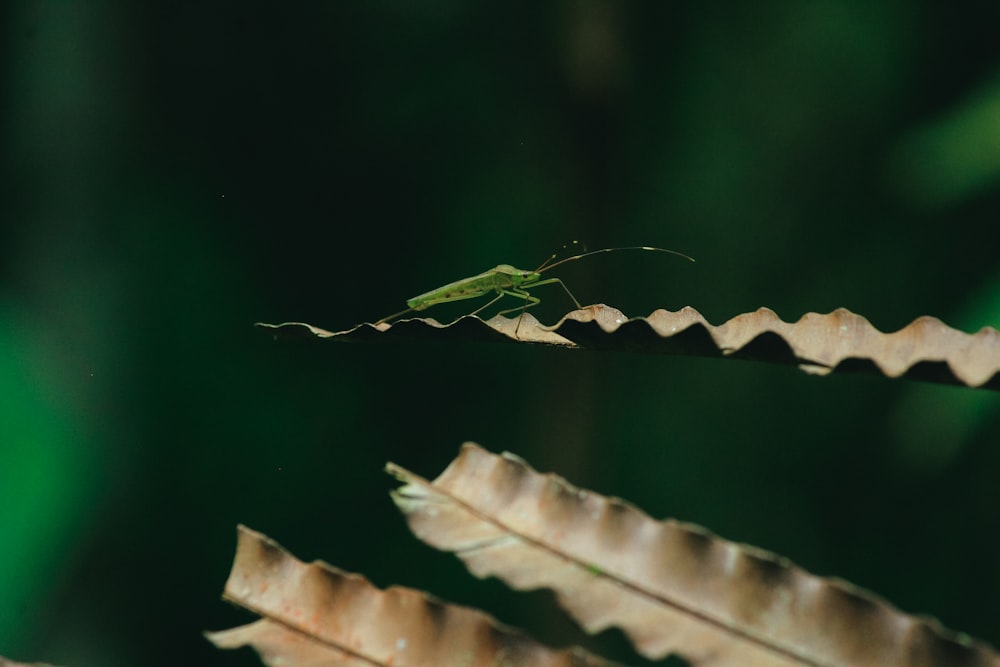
<point>174,172</point>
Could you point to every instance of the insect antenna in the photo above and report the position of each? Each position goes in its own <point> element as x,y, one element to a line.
<point>546,265</point>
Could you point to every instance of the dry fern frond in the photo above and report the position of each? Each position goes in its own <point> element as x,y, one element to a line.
<point>841,341</point>
<point>671,587</point>
<point>315,614</point>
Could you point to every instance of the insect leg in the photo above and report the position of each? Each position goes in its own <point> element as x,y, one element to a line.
<point>487,305</point>
<point>394,315</point>
<point>550,281</point>
<point>529,300</point>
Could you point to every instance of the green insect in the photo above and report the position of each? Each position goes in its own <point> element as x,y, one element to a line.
<point>506,280</point>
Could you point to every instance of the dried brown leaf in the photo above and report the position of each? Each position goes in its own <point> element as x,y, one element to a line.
<point>926,349</point>
<point>315,614</point>
<point>672,587</point>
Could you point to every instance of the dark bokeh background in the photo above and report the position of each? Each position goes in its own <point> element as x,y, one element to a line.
<point>173,172</point>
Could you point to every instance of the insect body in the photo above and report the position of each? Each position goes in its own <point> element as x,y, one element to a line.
<point>504,280</point>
